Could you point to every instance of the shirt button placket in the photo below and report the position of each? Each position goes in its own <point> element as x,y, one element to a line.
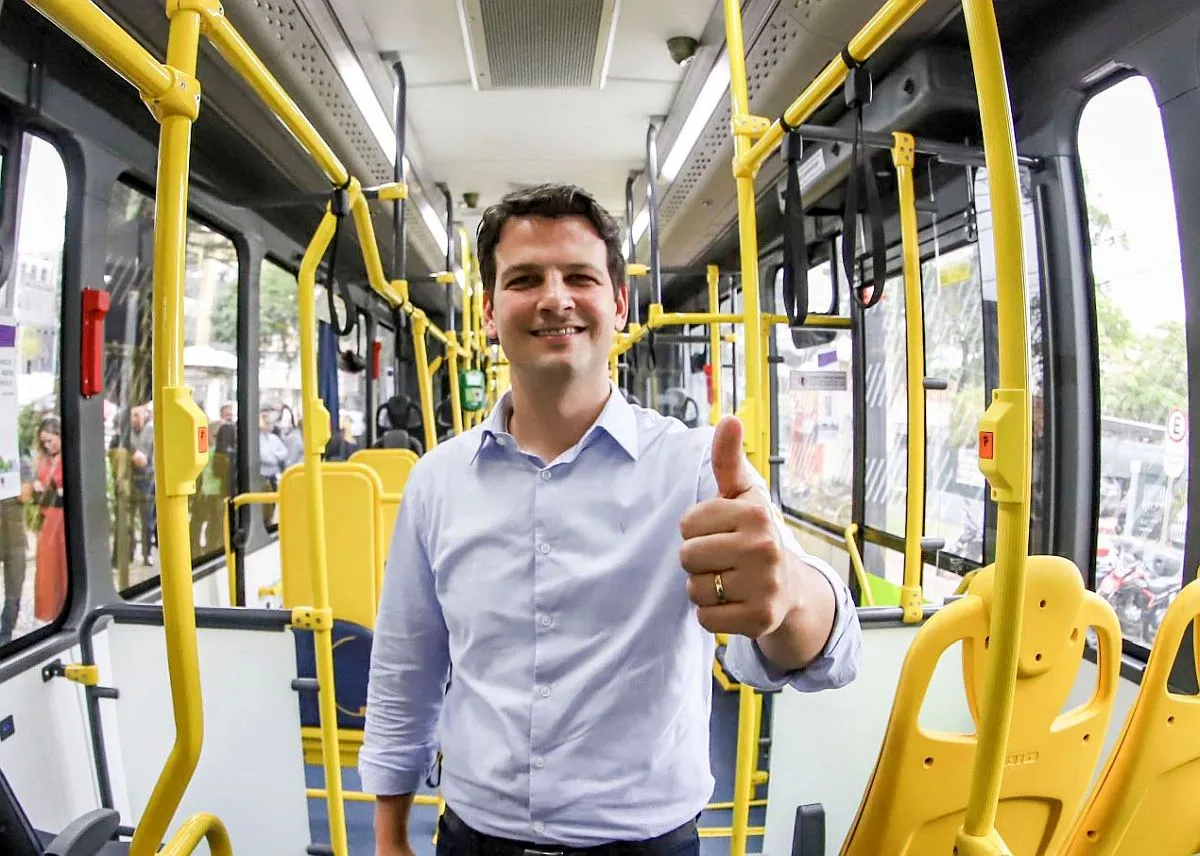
<point>540,691</point>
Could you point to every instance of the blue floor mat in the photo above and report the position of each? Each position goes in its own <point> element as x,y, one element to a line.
<point>722,753</point>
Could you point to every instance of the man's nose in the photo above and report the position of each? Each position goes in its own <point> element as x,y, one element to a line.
<point>556,296</point>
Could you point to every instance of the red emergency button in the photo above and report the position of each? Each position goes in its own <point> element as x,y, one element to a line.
<point>202,438</point>
<point>985,445</point>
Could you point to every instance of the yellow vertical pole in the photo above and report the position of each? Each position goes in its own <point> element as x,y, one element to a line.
<point>1004,432</point>
<point>456,412</point>
<point>903,157</point>
<point>317,432</point>
<point>177,455</point>
<point>420,324</point>
<point>745,130</point>
<point>714,342</point>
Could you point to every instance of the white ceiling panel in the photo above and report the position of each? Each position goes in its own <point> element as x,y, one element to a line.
<point>487,141</point>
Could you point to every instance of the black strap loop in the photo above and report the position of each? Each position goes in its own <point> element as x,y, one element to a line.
<point>339,207</point>
<point>795,244</point>
<point>860,162</point>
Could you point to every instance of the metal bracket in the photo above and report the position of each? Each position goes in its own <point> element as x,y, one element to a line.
<point>310,618</point>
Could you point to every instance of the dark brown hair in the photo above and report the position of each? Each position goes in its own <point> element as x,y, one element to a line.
<point>548,200</point>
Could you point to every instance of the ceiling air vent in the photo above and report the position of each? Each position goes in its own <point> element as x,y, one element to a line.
<point>538,44</point>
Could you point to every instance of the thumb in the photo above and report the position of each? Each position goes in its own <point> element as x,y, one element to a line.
<point>732,479</point>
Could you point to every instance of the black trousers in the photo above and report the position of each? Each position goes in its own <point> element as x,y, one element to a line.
<point>455,838</point>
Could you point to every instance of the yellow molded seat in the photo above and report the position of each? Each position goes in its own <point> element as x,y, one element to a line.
<point>916,799</point>
<point>1145,799</point>
<point>393,467</point>
<point>353,539</point>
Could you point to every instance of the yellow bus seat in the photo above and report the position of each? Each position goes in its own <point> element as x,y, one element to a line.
<point>393,467</point>
<point>1140,802</point>
<point>916,798</point>
<point>354,557</point>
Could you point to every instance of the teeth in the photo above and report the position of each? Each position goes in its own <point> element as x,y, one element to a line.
<point>561,331</point>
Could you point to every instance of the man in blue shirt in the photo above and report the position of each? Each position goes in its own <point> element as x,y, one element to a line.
<point>557,573</point>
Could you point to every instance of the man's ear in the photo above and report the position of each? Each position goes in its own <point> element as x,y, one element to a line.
<point>622,314</point>
<point>489,320</point>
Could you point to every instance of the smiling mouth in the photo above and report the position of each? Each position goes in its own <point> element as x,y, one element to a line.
<point>557,331</point>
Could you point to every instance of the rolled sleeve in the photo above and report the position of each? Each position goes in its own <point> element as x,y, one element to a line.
<point>409,663</point>
<point>835,666</point>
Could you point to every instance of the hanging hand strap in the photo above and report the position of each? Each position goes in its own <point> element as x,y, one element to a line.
<point>858,94</point>
<point>795,244</point>
<point>339,206</point>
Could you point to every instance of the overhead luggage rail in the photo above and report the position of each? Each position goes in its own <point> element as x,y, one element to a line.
<point>1004,434</point>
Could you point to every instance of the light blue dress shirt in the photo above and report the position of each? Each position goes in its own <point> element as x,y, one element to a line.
<point>578,705</point>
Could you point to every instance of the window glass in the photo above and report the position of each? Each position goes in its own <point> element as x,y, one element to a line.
<point>210,369</point>
<point>281,443</point>
<point>816,424</point>
<point>385,386</point>
<point>1143,356</point>
<point>954,486</point>
<point>32,528</point>
<point>353,361</point>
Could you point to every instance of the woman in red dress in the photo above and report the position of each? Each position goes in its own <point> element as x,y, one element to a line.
<point>50,577</point>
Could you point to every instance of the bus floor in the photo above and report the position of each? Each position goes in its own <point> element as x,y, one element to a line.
<point>722,753</point>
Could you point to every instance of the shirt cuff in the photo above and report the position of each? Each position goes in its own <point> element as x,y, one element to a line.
<point>381,780</point>
<point>835,666</point>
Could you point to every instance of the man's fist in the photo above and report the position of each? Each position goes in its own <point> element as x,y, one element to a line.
<point>738,572</point>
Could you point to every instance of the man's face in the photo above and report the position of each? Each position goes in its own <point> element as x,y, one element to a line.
<point>137,418</point>
<point>553,307</point>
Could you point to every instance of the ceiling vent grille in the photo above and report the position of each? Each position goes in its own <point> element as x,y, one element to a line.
<point>538,44</point>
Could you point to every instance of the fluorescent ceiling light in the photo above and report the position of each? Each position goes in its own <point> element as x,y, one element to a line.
<point>706,102</point>
<point>384,132</point>
<point>436,227</point>
<point>465,25</point>
<point>370,108</point>
<point>640,222</point>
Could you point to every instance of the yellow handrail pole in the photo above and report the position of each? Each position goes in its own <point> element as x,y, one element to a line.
<point>856,565</point>
<point>230,564</point>
<point>713,275</point>
<point>903,157</point>
<point>197,827</point>
<point>87,24</point>
<point>890,17</point>
<point>230,44</point>
<point>177,419</point>
<point>317,432</point>
<point>751,313</point>
<point>456,412</point>
<point>392,292</point>
<point>420,324</point>
<point>1004,432</point>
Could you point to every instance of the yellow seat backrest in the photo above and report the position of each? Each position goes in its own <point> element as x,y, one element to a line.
<point>1145,799</point>
<point>916,798</point>
<point>393,467</point>
<point>353,539</point>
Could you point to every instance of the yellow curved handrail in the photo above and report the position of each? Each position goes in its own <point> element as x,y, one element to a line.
<point>194,829</point>
<point>856,565</point>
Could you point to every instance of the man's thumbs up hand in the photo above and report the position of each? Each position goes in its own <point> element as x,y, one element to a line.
<point>738,573</point>
<point>727,459</point>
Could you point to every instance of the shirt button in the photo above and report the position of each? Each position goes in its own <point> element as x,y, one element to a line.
<point>544,548</point>
<point>545,621</point>
<point>545,475</point>
<point>545,693</point>
<point>539,762</point>
<point>539,827</point>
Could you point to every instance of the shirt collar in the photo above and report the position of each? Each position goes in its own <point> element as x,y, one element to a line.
<point>617,419</point>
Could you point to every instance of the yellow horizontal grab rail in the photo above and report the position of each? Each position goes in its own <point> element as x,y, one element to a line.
<point>813,321</point>
<point>196,828</point>
<point>890,17</point>
<point>87,24</point>
<point>256,499</point>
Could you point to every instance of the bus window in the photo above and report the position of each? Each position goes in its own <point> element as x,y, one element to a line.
<point>210,368</point>
<point>887,427</point>
<point>33,536</point>
<point>815,412</point>
<point>1138,282</point>
<point>278,379</point>
<point>951,291</point>
<point>385,385</point>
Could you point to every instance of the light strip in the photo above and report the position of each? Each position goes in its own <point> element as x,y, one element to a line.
<point>384,131</point>
<point>710,96</point>
<point>466,37</point>
<point>640,222</point>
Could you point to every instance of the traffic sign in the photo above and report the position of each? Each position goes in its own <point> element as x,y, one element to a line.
<point>1175,451</point>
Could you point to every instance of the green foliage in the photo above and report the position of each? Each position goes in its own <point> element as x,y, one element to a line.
<point>278,314</point>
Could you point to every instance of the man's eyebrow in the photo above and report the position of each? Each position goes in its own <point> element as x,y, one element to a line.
<point>531,267</point>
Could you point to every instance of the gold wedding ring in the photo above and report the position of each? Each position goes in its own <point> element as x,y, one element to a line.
<point>720,587</point>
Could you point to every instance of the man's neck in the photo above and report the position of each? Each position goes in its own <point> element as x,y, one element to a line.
<point>548,421</point>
